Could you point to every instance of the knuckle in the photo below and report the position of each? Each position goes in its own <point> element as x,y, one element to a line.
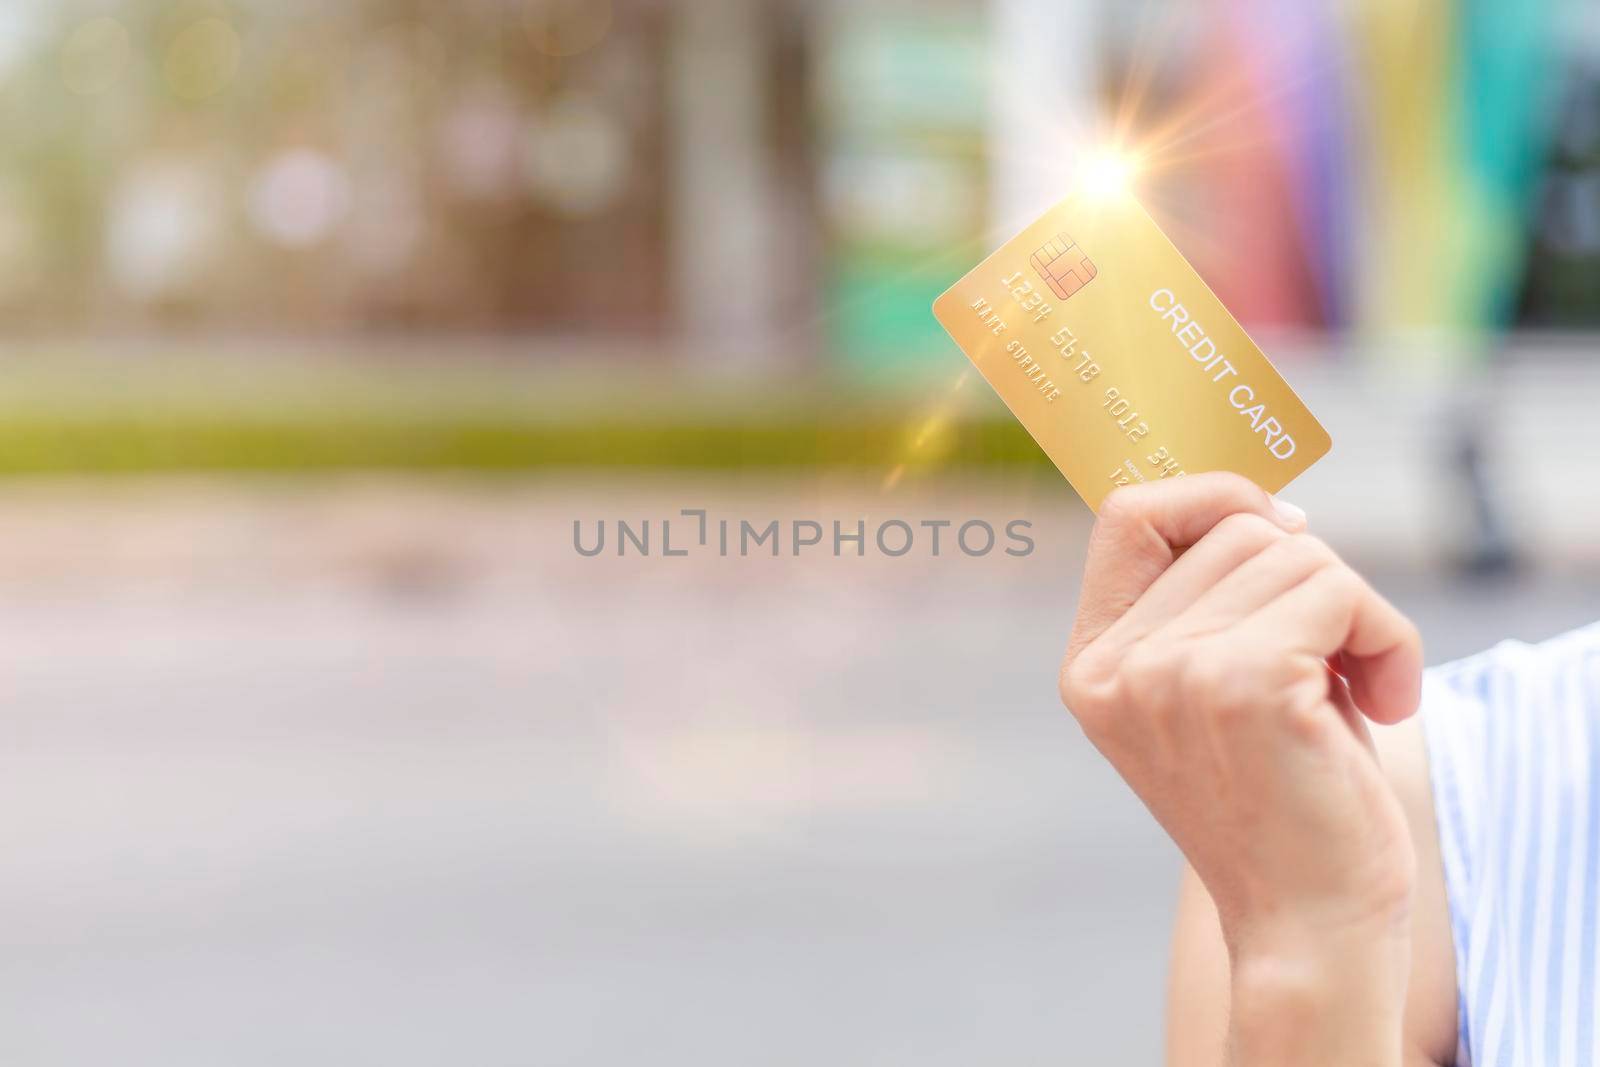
<point>1204,678</point>
<point>1307,723</point>
<point>1085,685</point>
<point>1216,683</point>
<point>1346,585</point>
<point>1105,687</point>
<point>1071,688</point>
<point>1311,550</point>
<point>1302,556</point>
<point>1305,714</point>
<point>1145,666</point>
<point>1248,530</point>
<point>1090,708</point>
<point>1092,666</point>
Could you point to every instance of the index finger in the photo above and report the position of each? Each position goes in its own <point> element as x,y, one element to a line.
<point>1335,613</point>
<point>1142,529</point>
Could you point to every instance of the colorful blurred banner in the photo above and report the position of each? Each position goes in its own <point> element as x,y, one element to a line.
<point>1297,57</point>
<point>1452,130</point>
<point>1331,165</point>
<point>904,97</point>
<point>1252,240</point>
<point>1505,84</point>
<point>1402,71</point>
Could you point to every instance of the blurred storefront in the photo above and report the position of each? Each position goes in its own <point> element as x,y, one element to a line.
<point>781,182</point>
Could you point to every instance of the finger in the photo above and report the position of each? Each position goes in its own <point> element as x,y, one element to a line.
<point>1334,611</point>
<point>1282,564</point>
<point>1140,530</point>
<point>1233,543</point>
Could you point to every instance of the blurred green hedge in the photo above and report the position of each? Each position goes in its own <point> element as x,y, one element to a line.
<point>72,411</point>
<point>112,443</point>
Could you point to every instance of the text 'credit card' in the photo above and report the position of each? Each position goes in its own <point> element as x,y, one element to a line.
<point>1120,361</point>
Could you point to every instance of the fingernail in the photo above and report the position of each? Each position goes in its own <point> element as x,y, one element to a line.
<point>1291,515</point>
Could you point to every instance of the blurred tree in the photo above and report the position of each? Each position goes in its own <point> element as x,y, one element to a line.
<point>266,165</point>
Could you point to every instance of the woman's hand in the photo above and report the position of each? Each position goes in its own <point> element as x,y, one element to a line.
<point>1223,661</point>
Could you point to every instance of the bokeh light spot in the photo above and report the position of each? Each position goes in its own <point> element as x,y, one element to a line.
<point>202,59</point>
<point>578,157</point>
<point>479,143</point>
<point>95,56</point>
<point>164,228</point>
<point>299,198</point>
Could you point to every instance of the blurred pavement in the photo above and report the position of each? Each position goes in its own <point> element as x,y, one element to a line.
<point>378,770</point>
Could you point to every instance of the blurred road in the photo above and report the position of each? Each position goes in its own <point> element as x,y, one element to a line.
<point>381,771</point>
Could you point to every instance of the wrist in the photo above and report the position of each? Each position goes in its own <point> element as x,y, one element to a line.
<point>1316,998</point>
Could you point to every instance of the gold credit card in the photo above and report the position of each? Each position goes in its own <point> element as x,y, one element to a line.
<point>1120,361</point>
